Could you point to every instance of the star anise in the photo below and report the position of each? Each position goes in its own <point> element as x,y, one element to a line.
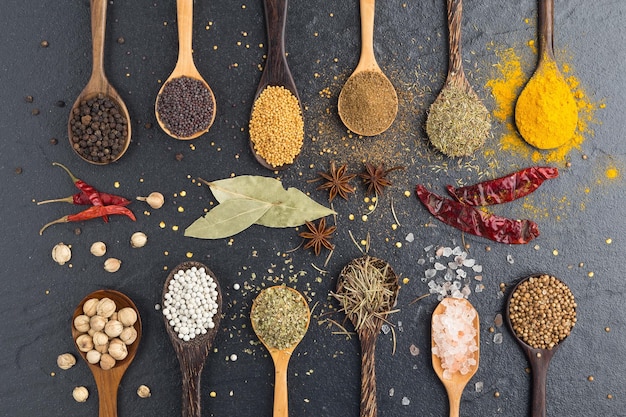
<point>375,177</point>
<point>337,182</point>
<point>318,236</point>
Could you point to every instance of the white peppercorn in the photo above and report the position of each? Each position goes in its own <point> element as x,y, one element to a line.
<point>80,394</point>
<point>127,316</point>
<point>61,253</point>
<point>98,249</point>
<point>138,240</point>
<point>93,357</point>
<point>81,323</point>
<point>112,265</point>
<point>113,328</point>
<point>66,361</point>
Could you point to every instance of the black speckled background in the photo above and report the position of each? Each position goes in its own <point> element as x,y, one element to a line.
<point>576,213</point>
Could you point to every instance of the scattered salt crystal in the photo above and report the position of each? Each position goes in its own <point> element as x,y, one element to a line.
<point>453,265</point>
<point>497,338</point>
<point>430,273</point>
<point>457,251</point>
<point>428,248</point>
<point>385,328</point>
<point>410,237</point>
<point>405,401</point>
<point>469,262</point>
<point>478,277</point>
<point>400,328</point>
<point>414,350</point>
<point>447,252</point>
<point>236,286</point>
<point>459,259</point>
<point>461,273</point>
<point>477,268</point>
<point>466,291</point>
<point>421,261</point>
<point>479,288</point>
<point>509,259</point>
<point>498,320</point>
<point>439,266</point>
<point>479,386</point>
<point>391,392</point>
<point>439,252</point>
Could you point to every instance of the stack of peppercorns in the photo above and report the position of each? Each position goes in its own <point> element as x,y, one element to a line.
<point>99,130</point>
<point>542,311</point>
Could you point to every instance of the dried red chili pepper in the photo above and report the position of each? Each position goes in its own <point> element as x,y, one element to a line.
<point>92,212</point>
<point>82,199</point>
<point>92,193</point>
<point>504,189</point>
<point>477,222</point>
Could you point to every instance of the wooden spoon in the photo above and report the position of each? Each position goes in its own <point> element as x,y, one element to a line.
<point>455,386</point>
<point>368,332</point>
<point>281,362</point>
<point>539,361</point>
<point>276,71</point>
<point>367,62</point>
<point>98,82</point>
<point>185,66</point>
<point>546,58</point>
<point>108,381</point>
<point>192,354</point>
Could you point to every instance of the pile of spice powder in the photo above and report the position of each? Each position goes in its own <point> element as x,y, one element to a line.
<point>368,103</point>
<point>280,317</point>
<point>546,114</point>
<point>458,123</point>
<point>454,337</point>
<point>542,311</point>
<point>99,130</point>
<point>277,126</point>
<point>185,106</point>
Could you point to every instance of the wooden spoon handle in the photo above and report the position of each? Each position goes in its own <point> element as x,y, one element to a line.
<point>546,28</point>
<point>192,371</point>
<point>281,397</point>
<point>455,59</point>
<point>98,31</point>
<point>368,374</point>
<point>367,11</point>
<point>184,13</point>
<point>276,71</point>
<point>108,383</point>
<point>539,366</point>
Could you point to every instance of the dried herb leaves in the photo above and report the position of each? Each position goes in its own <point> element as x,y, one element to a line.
<point>246,200</point>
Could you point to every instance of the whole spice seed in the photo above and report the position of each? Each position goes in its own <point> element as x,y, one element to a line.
<point>504,189</point>
<point>318,236</point>
<point>280,317</point>
<point>368,103</point>
<point>542,311</point>
<point>375,177</point>
<point>99,130</point>
<point>277,126</point>
<point>458,123</point>
<point>185,106</point>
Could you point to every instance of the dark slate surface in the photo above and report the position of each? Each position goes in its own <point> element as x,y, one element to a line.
<point>38,296</point>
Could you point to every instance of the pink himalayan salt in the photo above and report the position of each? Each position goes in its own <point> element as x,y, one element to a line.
<point>454,337</point>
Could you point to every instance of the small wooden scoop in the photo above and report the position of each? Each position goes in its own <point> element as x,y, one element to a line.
<point>108,381</point>
<point>98,82</point>
<point>193,354</point>
<point>456,385</point>
<point>281,362</point>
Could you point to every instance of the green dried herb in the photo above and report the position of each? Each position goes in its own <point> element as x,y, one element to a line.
<point>458,123</point>
<point>246,200</point>
<point>280,317</point>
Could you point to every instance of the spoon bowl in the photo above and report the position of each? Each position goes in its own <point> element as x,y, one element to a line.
<point>108,381</point>
<point>276,72</point>
<point>185,68</point>
<point>98,85</point>
<point>368,327</point>
<point>367,90</point>
<point>539,360</point>
<point>192,354</point>
<point>281,357</point>
<point>457,382</point>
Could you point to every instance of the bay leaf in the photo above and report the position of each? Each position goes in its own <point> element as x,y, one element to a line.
<point>228,219</point>
<point>290,208</point>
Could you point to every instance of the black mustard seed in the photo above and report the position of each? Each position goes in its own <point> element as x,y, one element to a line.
<point>99,129</point>
<point>185,106</point>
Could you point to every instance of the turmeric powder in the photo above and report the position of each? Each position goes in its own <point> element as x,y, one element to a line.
<point>546,113</point>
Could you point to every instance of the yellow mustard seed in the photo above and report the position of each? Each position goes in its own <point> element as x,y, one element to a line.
<point>276,114</point>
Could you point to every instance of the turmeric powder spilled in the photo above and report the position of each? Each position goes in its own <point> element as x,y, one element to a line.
<point>546,113</point>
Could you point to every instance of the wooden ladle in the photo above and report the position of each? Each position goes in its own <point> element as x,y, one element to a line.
<point>192,354</point>
<point>539,361</point>
<point>185,66</point>
<point>458,381</point>
<point>98,83</point>
<point>368,326</point>
<point>350,110</point>
<point>281,357</point>
<point>108,381</point>
<point>276,71</point>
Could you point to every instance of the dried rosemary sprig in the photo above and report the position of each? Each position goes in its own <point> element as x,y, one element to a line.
<point>458,122</point>
<point>367,290</point>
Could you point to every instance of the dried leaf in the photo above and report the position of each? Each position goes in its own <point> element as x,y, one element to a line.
<point>289,208</point>
<point>228,219</point>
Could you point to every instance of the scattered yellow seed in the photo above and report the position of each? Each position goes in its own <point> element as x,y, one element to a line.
<point>166,253</point>
<point>496,394</point>
<point>47,292</point>
<point>394,226</point>
<point>555,252</point>
<point>52,374</point>
<point>371,207</point>
<point>189,254</point>
<point>175,228</point>
<point>609,396</point>
<point>116,184</point>
<point>351,217</point>
<point>407,193</point>
<point>609,241</point>
<point>607,329</point>
<point>590,274</point>
<point>213,394</point>
<point>398,244</point>
<point>590,378</point>
<point>538,354</point>
<point>364,217</point>
<point>363,242</point>
<point>405,280</point>
<point>366,199</point>
<point>183,193</point>
<point>162,225</point>
<point>181,209</point>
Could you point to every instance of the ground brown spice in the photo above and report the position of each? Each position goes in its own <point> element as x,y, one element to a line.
<point>368,103</point>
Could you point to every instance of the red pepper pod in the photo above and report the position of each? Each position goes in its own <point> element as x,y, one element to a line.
<point>82,199</point>
<point>477,222</point>
<point>92,212</point>
<point>503,189</point>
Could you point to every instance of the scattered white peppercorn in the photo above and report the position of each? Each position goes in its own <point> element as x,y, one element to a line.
<point>154,200</point>
<point>138,240</point>
<point>98,249</point>
<point>80,394</point>
<point>143,391</point>
<point>66,361</point>
<point>61,253</point>
<point>112,265</point>
<point>190,303</point>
